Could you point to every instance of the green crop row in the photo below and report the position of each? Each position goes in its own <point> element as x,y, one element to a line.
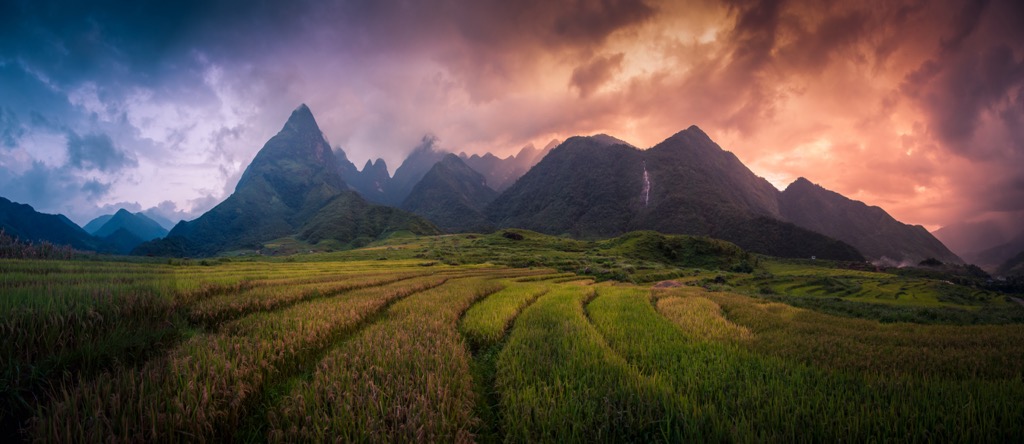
<point>404,379</point>
<point>202,388</point>
<point>486,322</point>
<point>732,394</point>
<point>558,381</point>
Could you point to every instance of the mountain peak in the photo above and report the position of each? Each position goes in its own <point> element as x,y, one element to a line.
<point>122,212</point>
<point>800,182</point>
<point>302,120</point>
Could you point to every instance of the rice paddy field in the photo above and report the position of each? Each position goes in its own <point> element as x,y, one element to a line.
<point>362,347</point>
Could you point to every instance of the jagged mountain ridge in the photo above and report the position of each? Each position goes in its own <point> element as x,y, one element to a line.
<point>595,187</point>
<point>502,173</point>
<point>292,179</point>
<point>592,187</point>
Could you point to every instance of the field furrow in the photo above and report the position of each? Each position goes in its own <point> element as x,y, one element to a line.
<point>733,395</point>
<point>405,378</point>
<point>202,388</point>
<point>213,311</point>
<point>486,322</point>
<point>559,382</point>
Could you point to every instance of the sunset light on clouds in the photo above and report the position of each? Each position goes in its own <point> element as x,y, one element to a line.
<point>914,106</point>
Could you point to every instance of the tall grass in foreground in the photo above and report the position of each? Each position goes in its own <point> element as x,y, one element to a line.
<point>559,382</point>
<point>734,395</point>
<point>485,323</point>
<point>403,379</point>
<point>201,389</point>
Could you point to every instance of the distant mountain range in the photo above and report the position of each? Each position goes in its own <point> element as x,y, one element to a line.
<point>989,243</point>
<point>116,233</point>
<point>596,187</point>
<point>588,187</point>
<point>138,224</point>
<point>502,173</point>
<point>293,187</point>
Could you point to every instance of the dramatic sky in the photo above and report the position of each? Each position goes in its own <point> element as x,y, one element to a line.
<point>915,106</point>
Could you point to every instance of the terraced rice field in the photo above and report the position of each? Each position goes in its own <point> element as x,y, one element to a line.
<point>413,350</point>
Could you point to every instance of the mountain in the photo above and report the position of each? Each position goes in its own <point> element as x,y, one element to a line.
<point>25,223</point>
<point>121,241</point>
<point>415,166</point>
<point>992,258</point>
<point>452,196</point>
<point>96,223</point>
<point>1013,266</point>
<point>502,173</point>
<point>870,229</point>
<point>967,239</point>
<point>138,224</point>
<point>164,222</point>
<point>372,182</point>
<point>599,186</point>
<point>292,187</point>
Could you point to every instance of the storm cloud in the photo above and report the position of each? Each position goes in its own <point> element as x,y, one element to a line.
<point>914,105</point>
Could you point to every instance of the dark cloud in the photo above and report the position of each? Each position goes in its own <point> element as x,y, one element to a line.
<point>965,24</point>
<point>97,151</point>
<point>177,97</point>
<point>94,188</point>
<point>11,129</point>
<point>588,77</point>
<point>53,190</point>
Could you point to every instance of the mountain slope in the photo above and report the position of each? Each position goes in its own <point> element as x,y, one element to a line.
<point>991,258</point>
<point>502,173</point>
<point>372,182</point>
<point>873,231</point>
<point>596,187</point>
<point>289,182</point>
<point>25,223</point>
<point>452,196</point>
<point>96,223</point>
<point>412,170</point>
<point>137,224</point>
<point>1013,266</point>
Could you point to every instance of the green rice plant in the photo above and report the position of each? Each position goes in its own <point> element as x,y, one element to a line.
<point>732,394</point>
<point>842,343</point>
<point>486,322</point>
<point>558,381</point>
<point>201,389</point>
<point>701,318</point>
<point>406,378</point>
<point>214,310</point>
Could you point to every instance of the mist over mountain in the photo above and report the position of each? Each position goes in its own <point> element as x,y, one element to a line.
<point>987,242</point>
<point>586,187</point>
<point>502,173</point>
<point>293,178</point>
<point>415,166</point>
<point>452,196</point>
